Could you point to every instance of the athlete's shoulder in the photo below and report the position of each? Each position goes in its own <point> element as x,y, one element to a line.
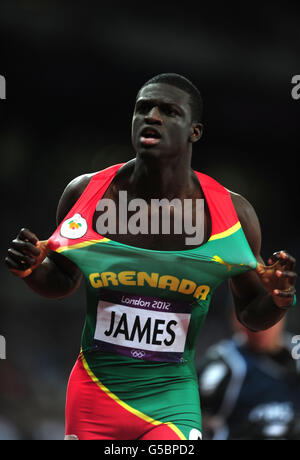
<point>248,219</point>
<point>245,212</point>
<point>240,202</point>
<point>76,187</point>
<point>78,184</point>
<point>71,194</point>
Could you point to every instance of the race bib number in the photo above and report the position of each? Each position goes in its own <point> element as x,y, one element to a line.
<point>142,327</point>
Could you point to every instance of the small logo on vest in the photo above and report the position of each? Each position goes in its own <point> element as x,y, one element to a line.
<point>74,228</point>
<point>139,354</point>
<point>221,261</point>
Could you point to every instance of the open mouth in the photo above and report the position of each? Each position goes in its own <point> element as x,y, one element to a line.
<point>150,136</point>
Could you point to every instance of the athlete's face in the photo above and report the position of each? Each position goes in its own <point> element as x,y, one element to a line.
<point>162,121</point>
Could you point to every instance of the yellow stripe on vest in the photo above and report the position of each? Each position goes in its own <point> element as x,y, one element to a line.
<point>81,245</point>
<point>226,233</point>
<point>136,412</point>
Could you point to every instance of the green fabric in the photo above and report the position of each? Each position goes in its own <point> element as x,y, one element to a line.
<point>164,391</point>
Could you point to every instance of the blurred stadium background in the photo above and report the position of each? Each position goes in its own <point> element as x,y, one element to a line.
<point>72,73</point>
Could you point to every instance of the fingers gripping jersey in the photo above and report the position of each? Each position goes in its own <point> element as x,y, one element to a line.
<point>145,310</point>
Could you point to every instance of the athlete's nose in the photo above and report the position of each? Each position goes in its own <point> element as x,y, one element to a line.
<point>153,117</point>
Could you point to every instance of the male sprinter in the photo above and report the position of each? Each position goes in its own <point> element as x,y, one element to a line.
<point>148,292</point>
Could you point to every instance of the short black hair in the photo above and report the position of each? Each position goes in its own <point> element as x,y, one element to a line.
<point>174,79</point>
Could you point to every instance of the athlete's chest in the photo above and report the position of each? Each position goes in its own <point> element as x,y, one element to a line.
<point>164,224</point>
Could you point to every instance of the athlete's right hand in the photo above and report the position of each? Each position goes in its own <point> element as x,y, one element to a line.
<point>26,252</point>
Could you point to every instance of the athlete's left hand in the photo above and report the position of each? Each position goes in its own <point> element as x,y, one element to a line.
<point>279,278</point>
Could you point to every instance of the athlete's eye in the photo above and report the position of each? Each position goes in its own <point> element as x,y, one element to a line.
<point>143,107</point>
<point>170,111</point>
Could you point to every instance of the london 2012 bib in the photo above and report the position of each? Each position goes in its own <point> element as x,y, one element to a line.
<point>141,327</point>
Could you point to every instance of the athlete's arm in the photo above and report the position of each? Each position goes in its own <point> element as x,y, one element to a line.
<point>262,296</point>
<point>56,276</point>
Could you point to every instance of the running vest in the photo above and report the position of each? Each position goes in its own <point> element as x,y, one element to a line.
<point>146,308</point>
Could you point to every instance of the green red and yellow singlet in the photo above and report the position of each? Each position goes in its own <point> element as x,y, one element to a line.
<point>145,310</point>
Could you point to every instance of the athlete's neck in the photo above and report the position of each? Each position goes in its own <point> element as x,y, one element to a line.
<point>267,346</point>
<point>153,178</point>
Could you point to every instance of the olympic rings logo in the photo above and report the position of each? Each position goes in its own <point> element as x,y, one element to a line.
<point>138,354</point>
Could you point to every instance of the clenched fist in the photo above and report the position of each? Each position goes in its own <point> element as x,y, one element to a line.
<point>26,252</point>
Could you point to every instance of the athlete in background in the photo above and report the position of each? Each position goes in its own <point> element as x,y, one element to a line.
<point>249,386</point>
<point>111,395</point>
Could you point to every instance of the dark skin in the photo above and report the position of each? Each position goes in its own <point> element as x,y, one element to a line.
<point>163,170</point>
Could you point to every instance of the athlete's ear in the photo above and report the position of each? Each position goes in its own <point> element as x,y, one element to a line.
<point>196,132</point>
